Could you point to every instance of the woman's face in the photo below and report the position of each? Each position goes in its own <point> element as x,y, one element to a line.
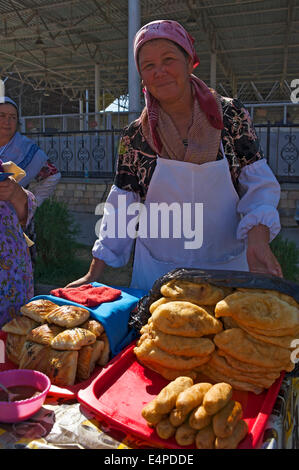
<point>8,121</point>
<point>165,70</point>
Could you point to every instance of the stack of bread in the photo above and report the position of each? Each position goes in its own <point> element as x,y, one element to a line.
<point>256,346</point>
<point>178,336</point>
<point>61,341</point>
<point>202,414</point>
<point>239,336</point>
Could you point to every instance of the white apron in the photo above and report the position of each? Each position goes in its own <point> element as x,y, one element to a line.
<point>182,182</point>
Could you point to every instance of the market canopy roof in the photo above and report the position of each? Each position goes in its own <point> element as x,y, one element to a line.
<point>53,46</point>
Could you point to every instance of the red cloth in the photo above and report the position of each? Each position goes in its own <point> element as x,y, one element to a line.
<point>87,295</point>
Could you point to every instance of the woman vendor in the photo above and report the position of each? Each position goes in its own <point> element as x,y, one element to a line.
<point>189,146</point>
<point>16,280</point>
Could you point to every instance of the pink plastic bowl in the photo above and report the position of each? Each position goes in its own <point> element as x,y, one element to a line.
<point>13,412</point>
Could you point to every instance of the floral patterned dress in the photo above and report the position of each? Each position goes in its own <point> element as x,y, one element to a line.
<point>16,278</point>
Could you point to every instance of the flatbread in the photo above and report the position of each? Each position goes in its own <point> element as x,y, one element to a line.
<point>263,311</point>
<point>281,341</point>
<point>203,293</point>
<point>239,344</point>
<point>185,319</point>
<point>206,371</point>
<point>280,295</point>
<point>180,345</point>
<point>262,379</point>
<point>149,352</point>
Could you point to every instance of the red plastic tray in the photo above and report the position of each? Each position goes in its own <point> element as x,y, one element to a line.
<point>121,390</point>
<point>62,392</point>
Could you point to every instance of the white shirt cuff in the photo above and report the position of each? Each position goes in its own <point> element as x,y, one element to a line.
<point>260,194</point>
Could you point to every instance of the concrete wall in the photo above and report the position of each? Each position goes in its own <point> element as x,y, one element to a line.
<point>83,196</point>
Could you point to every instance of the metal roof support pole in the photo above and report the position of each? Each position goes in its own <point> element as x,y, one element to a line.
<point>97,94</point>
<point>133,76</point>
<point>81,111</point>
<point>213,70</point>
<point>213,62</point>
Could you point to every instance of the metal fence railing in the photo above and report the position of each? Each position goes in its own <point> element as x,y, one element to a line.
<point>94,153</point>
<point>79,154</point>
<point>280,143</point>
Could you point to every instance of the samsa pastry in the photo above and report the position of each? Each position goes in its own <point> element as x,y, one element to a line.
<point>263,311</point>
<point>34,356</point>
<point>148,353</point>
<point>68,316</point>
<point>19,325</point>
<point>88,356</point>
<point>94,326</point>
<point>185,319</point>
<point>105,354</point>
<point>62,367</point>
<point>13,347</point>
<point>38,309</point>
<point>44,334</point>
<point>73,339</point>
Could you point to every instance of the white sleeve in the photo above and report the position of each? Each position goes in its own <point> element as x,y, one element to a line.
<point>45,188</point>
<point>260,194</point>
<point>115,241</point>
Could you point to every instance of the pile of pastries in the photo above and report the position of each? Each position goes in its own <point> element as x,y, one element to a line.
<point>202,414</point>
<point>239,336</point>
<point>61,341</point>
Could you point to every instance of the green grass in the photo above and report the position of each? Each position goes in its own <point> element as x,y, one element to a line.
<point>77,267</point>
<point>287,254</point>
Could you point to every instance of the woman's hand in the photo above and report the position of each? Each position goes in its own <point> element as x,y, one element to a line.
<point>96,268</point>
<point>11,191</point>
<point>259,255</point>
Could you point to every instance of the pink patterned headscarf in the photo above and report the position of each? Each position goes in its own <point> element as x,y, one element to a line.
<point>173,31</point>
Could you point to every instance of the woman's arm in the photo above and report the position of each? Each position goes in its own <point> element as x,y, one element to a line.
<point>257,187</point>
